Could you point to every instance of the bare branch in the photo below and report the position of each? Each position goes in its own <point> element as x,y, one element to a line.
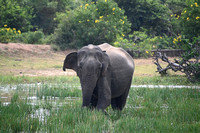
<point>184,66</point>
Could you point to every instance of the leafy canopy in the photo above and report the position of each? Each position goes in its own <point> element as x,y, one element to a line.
<point>16,15</point>
<point>91,23</point>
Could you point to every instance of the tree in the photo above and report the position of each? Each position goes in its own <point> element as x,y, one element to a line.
<point>15,15</point>
<point>91,23</point>
<point>190,19</point>
<point>189,41</point>
<point>148,14</point>
<point>45,12</point>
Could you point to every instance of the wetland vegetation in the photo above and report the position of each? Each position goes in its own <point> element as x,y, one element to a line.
<point>48,107</point>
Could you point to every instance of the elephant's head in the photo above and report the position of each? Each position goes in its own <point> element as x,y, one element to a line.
<point>90,64</point>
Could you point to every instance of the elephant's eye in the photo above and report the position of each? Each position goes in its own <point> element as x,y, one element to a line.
<point>100,66</point>
<point>80,65</point>
<point>99,56</point>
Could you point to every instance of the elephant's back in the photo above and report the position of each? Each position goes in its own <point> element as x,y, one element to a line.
<point>117,55</point>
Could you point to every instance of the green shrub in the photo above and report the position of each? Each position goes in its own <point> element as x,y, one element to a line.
<point>55,47</point>
<point>16,14</point>
<point>8,34</point>
<point>190,19</point>
<point>91,23</point>
<point>166,42</point>
<point>138,41</point>
<point>189,40</point>
<point>191,58</point>
<point>36,37</point>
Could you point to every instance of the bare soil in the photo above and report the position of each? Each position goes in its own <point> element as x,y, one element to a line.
<point>19,49</point>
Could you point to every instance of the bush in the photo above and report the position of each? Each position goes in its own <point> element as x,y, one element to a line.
<point>36,37</point>
<point>190,39</point>
<point>138,41</point>
<point>91,23</point>
<point>190,19</point>
<point>8,34</point>
<point>165,42</point>
<point>16,14</point>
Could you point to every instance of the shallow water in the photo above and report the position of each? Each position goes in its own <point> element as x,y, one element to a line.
<point>7,88</point>
<point>29,92</point>
<point>165,86</point>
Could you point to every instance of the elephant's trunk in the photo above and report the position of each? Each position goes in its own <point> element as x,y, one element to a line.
<point>88,84</point>
<point>64,66</point>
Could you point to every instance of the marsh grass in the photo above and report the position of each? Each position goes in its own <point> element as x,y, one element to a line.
<point>155,80</point>
<point>10,79</point>
<point>147,110</point>
<point>163,80</point>
<point>58,91</point>
<point>163,110</point>
<point>16,116</point>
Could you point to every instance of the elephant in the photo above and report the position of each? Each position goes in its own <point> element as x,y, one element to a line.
<point>105,74</point>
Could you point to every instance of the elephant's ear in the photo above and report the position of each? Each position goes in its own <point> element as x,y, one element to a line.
<point>105,63</point>
<point>70,61</point>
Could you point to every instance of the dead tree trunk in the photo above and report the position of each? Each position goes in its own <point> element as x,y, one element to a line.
<point>190,68</point>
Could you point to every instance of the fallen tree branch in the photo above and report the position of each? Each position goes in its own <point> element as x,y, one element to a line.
<point>190,68</point>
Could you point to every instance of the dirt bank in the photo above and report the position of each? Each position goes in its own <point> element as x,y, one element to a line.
<point>41,60</point>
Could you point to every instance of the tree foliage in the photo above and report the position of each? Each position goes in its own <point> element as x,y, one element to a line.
<point>91,23</point>
<point>16,15</point>
<point>148,14</point>
<point>189,39</point>
<point>190,19</point>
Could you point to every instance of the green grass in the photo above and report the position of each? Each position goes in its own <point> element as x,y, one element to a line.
<point>10,79</point>
<point>16,116</point>
<point>155,80</point>
<point>60,91</point>
<point>147,110</point>
<point>165,80</point>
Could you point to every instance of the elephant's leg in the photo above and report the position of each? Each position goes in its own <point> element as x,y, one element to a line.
<point>114,104</point>
<point>104,94</point>
<point>119,102</point>
<point>93,102</point>
<point>94,99</point>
